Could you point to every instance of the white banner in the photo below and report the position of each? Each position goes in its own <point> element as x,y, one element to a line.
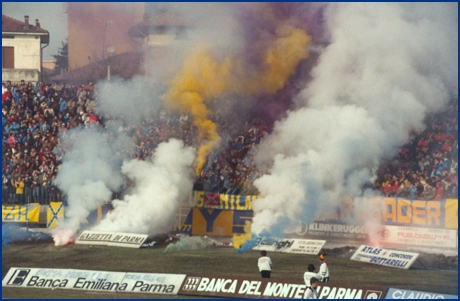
<point>299,246</point>
<point>153,283</point>
<point>391,258</point>
<point>416,236</point>
<point>64,279</point>
<point>262,288</point>
<point>117,239</point>
<point>94,280</point>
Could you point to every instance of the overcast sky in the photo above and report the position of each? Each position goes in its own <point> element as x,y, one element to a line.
<point>51,15</point>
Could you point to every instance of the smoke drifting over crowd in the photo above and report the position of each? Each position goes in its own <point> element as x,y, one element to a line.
<point>346,82</point>
<point>385,66</point>
<point>204,79</point>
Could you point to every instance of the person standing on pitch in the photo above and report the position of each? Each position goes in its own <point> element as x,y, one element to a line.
<point>311,274</point>
<point>323,268</point>
<point>311,292</point>
<point>265,265</point>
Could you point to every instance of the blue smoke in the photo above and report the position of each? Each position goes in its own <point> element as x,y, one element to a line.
<point>13,233</point>
<point>254,241</point>
<point>248,245</point>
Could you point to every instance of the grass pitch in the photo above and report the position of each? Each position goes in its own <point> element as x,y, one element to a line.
<point>216,261</point>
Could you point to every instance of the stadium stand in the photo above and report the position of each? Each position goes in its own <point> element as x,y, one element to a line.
<point>34,115</point>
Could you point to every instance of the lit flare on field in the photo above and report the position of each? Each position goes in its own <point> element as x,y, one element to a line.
<point>63,237</point>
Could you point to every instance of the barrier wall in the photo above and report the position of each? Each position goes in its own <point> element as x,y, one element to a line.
<point>410,222</point>
<point>442,214</point>
<point>48,215</point>
<point>259,288</point>
<point>196,285</point>
<point>389,211</point>
<point>93,280</point>
<point>414,222</point>
<point>396,293</point>
<point>178,284</point>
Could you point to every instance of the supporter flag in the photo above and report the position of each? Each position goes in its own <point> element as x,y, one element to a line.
<point>211,199</point>
<point>54,214</point>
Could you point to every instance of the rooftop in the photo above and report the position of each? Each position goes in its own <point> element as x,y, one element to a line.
<point>12,25</point>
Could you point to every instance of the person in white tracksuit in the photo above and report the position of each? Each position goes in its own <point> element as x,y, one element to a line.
<point>265,265</point>
<point>310,292</point>
<point>311,274</point>
<point>324,268</point>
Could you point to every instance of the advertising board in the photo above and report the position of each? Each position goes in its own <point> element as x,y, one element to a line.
<point>396,293</point>
<point>117,239</point>
<point>255,288</point>
<point>64,279</point>
<point>385,257</point>
<point>153,283</point>
<point>94,280</point>
<point>285,245</point>
<point>334,231</point>
<point>418,236</point>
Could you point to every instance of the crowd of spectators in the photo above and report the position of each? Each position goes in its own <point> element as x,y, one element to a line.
<point>426,167</point>
<point>34,115</point>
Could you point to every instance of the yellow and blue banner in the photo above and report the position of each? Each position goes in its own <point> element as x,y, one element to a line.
<point>21,213</point>
<point>54,215</point>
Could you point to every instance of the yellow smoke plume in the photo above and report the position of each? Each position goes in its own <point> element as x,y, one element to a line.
<point>200,80</point>
<point>282,58</point>
<point>203,79</point>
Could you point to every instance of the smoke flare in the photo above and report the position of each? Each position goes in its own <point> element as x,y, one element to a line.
<point>203,79</point>
<point>385,67</point>
<point>161,185</point>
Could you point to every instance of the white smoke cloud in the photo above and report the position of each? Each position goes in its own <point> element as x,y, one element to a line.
<point>89,172</point>
<point>161,185</point>
<point>387,65</point>
<point>131,99</point>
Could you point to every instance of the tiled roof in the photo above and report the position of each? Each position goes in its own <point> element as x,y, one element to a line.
<point>12,25</point>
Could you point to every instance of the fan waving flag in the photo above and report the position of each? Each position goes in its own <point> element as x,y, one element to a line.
<point>211,199</point>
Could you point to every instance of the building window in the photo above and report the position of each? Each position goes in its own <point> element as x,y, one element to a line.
<point>110,49</point>
<point>109,23</point>
<point>8,57</point>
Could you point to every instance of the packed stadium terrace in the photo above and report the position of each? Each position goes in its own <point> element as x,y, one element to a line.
<point>33,115</point>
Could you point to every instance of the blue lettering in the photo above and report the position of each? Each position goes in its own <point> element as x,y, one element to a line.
<point>9,213</point>
<point>239,220</point>
<point>25,213</point>
<point>210,218</point>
